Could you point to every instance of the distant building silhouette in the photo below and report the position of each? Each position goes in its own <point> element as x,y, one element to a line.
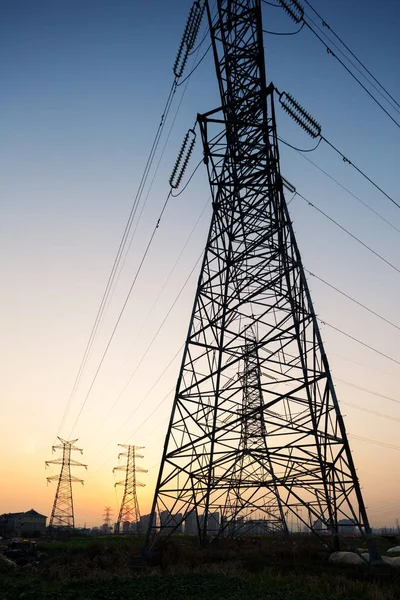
<point>144,522</point>
<point>347,526</point>
<point>191,523</point>
<point>22,523</point>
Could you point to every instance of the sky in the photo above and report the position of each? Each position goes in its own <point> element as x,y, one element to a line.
<point>83,88</point>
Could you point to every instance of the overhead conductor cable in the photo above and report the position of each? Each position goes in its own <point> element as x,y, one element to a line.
<point>310,126</point>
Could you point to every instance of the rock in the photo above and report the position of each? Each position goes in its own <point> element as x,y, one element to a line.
<point>6,561</point>
<point>391,560</point>
<point>346,558</point>
<point>394,550</point>
<point>350,558</point>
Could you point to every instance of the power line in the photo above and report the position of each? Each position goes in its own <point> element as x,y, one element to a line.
<point>151,343</point>
<point>359,341</point>
<point>325,24</point>
<point>387,501</point>
<point>371,83</point>
<point>159,329</point>
<point>152,182</point>
<point>321,137</point>
<point>330,51</point>
<point>299,16</point>
<point>161,292</point>
<point>122,309</point>
<point>300,149</point>
<point>197,48</point>
<point>369,367</point>
<point>195,66</point>
<point>271,4</point>
<point>353,300</point>
<point>214,7</point>
<point>336,379</point>
<point>301,153</point>
<point>312,274</point>
<point>153,411</point>
<point>156,301</point>
<point>117,260</point>
<point>141,402</point>
<point>385,509</point>
<point>189,180</point>
<point>376,442</point>
<point>372,412</point>
<point>363,389</point>
<point>120,251</point>
<point>360,408</point>
<point>342,402</point>
<point>348,233</point>
<point>346,160</point>
<point>127,232</point>
<point>348,335</point>
<point>366,410</point>
<point>284,32</point>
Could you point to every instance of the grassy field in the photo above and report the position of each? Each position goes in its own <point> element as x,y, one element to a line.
<point>112,568</point>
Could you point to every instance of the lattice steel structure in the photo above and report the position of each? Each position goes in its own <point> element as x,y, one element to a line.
<point>255,461</point>
<point>129,510</point>
<point>62,514</point>
<point>107,518</point>
<point>256,432</point>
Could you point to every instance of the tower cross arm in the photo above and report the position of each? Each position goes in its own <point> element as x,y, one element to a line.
<point>127,446</point>
<point>56,478</point>
<point>76,480</point>
<point>59,461</point>
<point>138,483</point>
<point>66,444</point>
<point>74,463</point>
<point>54,448</point>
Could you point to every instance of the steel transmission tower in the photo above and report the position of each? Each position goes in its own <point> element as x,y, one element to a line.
<point>256,430</point>
<point>255,460</point>
<point>129,511</point>
<point>107,517</point>
<point>62,515</point>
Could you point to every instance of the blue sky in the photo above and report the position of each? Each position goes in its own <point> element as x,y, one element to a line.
<point>83,88</point>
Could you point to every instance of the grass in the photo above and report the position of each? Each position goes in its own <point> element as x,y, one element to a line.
<point>112,568</point>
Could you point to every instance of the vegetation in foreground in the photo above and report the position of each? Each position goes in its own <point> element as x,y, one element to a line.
<point>111,567</point>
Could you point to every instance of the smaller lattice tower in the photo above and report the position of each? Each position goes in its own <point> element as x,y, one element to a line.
<point>62,515</point>
<point>129,511</point>
<point>107,518</point>
<point>254,462</point>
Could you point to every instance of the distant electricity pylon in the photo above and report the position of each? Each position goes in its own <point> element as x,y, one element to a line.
<point>129,511</point>
<point>107,517</point>
<point>256,437</point>
<point>62,515</point>
<point>253,443</point>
